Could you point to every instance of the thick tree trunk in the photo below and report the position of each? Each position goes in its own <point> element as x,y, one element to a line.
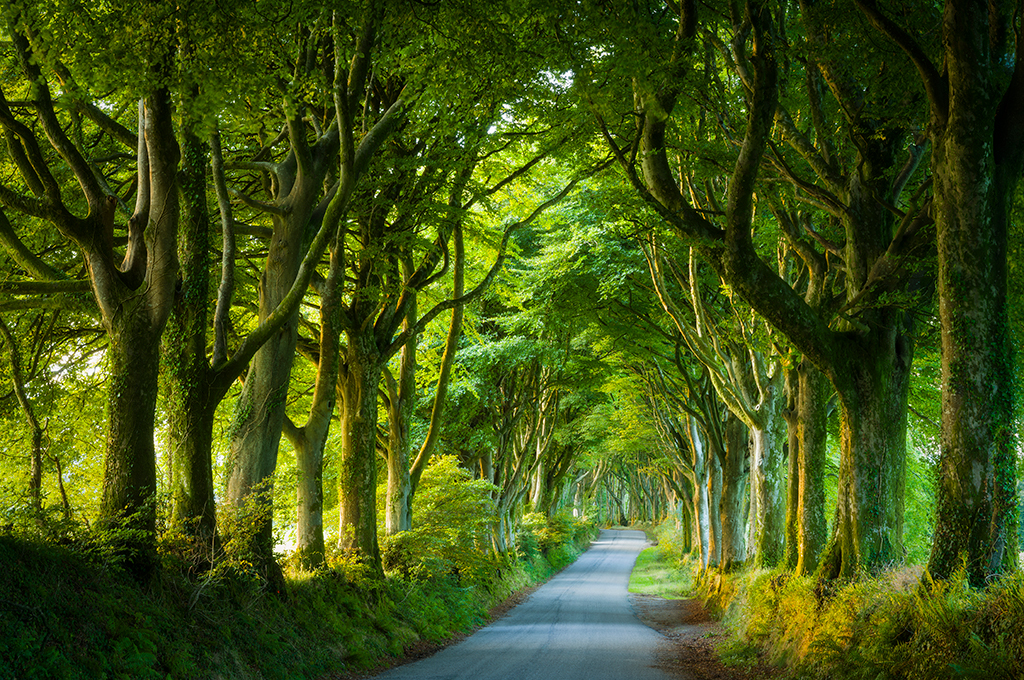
<point>976,163</point>
<point>129,474</point>
<point>869,530</point>
<point>134,320</point>
<point>357,465</point>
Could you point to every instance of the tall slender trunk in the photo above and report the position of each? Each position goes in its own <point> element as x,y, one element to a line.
<point>35,482</point>
<point>190,406</point>
<point>813,391</point>
<point>397,506</point>
<point>701,504</point>
<point>714,516</point>
<point>259,415</point>
<point>129,477</point>
<point>734,482</point>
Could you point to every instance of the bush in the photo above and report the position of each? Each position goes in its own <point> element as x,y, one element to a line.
<point>452,518</point>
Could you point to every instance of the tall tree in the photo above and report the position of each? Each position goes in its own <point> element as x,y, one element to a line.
<point>134,297</point>
<point>867,354</point>
<point>976,126</point>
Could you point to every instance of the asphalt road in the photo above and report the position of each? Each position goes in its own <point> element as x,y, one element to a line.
<point>578,626</point>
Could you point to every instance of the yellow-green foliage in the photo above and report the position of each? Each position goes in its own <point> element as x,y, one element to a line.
<point>548,544</point>
<point>879,628</point>
<point>452,518</point>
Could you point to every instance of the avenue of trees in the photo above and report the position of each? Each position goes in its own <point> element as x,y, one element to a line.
<point>750,265</point>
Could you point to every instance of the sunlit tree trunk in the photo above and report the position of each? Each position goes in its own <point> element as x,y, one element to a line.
<point>401,403</point>
<point>813,392</point>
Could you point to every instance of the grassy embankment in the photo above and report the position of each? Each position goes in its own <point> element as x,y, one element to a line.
<point>67,610</point>
<point>65,615</point>
<point>889,626</point>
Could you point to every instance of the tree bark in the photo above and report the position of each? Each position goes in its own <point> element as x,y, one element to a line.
<point>813,392</point>
<point>189,408</point>
<point>872,468</point>
<point>357,464</point>
<point>734,483</point>
<point>401,403</point>
<point>976,162</point>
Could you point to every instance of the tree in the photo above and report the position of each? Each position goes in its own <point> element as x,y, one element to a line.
<point>867,356</point>
<point>976,126</point>
<point>134,298</point>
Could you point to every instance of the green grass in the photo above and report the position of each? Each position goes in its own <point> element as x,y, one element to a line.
<point>66,614</point>
<point>657,572</point>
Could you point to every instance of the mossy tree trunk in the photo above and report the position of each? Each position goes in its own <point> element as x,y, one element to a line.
<point>189,408</point>
<point>735,473</point>
<point>135,323</point>
<point>872,467</point>
<point>401,402</point>
<point>813,392</point>
<point>357,464</point>
<point>977,133</point>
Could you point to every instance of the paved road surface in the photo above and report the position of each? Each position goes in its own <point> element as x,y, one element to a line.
<point>578,626</point>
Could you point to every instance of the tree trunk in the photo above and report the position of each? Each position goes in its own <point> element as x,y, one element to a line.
<point>976,503</point>
<point>129,473</point>
<point>768,482</point>
<point>260,409</point>
<point>189,408</point>
<point>35,481</point>
<point>701,502</point>
<point>357,465</point>
<point>872,467</point>
<point>793,464</point>
<point>134,320</point>
<point>714,503</point>
<point>734,482</point>
<point>397,506</point>
<point>813,391</point>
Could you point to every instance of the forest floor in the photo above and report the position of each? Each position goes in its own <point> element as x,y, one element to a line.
<point>691,636</point>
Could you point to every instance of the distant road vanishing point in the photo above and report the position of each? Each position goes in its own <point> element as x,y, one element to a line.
<point>578,626</point>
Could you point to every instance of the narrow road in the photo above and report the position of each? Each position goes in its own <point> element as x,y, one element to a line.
<point>578,626</point>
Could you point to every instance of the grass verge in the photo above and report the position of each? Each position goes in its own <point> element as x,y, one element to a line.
<point>65,615</point>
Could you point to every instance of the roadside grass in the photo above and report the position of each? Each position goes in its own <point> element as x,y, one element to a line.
<point>65,613</point>
<point>660,573</point>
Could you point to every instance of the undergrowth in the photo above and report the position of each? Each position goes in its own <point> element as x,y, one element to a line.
<point>895,626</point>
<point>888,627</point>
